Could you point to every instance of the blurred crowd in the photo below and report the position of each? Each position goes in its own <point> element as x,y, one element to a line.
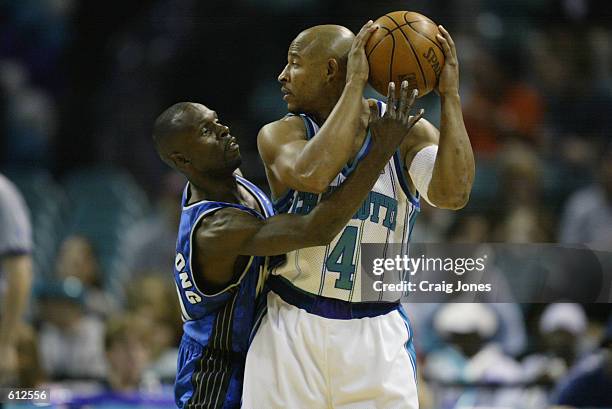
<point>81,83</point>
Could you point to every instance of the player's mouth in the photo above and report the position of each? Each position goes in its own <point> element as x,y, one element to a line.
<point>231,144</point>
<point>286,93</point>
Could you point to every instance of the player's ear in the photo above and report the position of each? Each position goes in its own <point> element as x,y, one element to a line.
<point>333,68</point>
<point>179,160</point>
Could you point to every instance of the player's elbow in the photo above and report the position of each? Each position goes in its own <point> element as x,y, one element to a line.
<point>449,200</point>
<point>312,183</point>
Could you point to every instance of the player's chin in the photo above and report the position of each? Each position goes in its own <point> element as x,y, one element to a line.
<point>234,162</point>
<point>294,108</point>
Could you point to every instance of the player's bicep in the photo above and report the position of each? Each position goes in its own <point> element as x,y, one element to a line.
<point>236,233</point>
<point>280,147</point>
<point>222,234</point>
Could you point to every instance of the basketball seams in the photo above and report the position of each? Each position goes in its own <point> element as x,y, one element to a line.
<point>380,41</point>
<point>409,24</point>
<point>416,56</point>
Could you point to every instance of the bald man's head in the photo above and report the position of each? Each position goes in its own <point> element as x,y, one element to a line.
<point>189,137</point>
<point>325,41</point>
<point>315,74</point>
<point>170,125</point>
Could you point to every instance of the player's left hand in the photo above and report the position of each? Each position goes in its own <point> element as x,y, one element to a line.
<point>448,83</point>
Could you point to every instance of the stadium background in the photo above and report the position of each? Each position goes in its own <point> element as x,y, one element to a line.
<point>83,81</point>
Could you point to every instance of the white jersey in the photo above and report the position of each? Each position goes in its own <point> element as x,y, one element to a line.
<point>385,217</point>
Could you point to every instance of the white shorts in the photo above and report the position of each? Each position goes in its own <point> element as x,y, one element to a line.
<point>299,360</point>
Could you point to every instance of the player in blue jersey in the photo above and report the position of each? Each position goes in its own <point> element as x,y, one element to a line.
<point>227,229</point>
<point>321,344</point>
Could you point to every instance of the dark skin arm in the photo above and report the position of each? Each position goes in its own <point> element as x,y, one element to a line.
<point>230,233</point>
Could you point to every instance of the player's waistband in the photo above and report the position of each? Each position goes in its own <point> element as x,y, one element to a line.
<point>324,306</point>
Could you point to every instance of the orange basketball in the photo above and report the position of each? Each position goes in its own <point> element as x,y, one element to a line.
<point>405,48</point>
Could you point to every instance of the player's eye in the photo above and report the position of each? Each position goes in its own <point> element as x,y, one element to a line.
<point>205,130</point>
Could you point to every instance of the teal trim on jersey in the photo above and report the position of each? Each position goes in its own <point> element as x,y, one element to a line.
<point>363,151</point>
<point>409,345</point>
<point>411,224</point>
<point>399,168</point>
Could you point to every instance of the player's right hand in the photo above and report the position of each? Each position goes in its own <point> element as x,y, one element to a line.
<point>396,123</point>
<point>357,68</point>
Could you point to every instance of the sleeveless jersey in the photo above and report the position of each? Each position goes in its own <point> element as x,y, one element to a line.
<point>216,326</point>
<point>386,216</point>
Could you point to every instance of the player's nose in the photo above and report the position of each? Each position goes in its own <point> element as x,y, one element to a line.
<point>223,130</point>
<point>282,77</point>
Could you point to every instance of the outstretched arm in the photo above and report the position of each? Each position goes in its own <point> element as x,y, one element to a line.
<point>310,166</point>
<point>452,175</point>
<point>232,232</point>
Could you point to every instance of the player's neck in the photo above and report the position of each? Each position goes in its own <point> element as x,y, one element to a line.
<point>220,189</point>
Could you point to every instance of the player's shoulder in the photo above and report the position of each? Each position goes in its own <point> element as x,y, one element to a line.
<point>221,226</point>
<point>289,124</point>
<point>287,129</point>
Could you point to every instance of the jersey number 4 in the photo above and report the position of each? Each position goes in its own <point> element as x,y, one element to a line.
<point>341,257</point>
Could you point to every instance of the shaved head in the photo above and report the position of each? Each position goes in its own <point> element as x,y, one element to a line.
<point>177,120</point>
<point>325,41</point>
<point>315,74</point>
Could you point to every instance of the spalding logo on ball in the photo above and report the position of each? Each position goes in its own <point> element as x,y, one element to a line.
<point>405,48</point>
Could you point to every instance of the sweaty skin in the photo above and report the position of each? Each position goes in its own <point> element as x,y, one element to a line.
<point>313,82</point>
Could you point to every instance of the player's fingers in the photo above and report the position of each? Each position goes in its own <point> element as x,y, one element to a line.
<point>448,54</point>
<point>413,95</point>
<point>415,119</point>
<point>403,102</point>
<point>363,35</point>
<point>391,100</point>
<point>449,39</point>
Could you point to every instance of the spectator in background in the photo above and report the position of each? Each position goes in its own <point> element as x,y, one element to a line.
<point>151,243</point>
<point>590,385</point>
<point>469,357</point>
<point>15,274</point>
<point>71,340</point>
<point>128,355</point>
<point>519,214</point>
<point>77,258</point>
<point>500,104</point>
<point>561,328</point>
<point>587,218</point>
<point>153,300</point>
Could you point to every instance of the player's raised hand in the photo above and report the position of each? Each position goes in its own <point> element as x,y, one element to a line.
<point>358,68</point>
<point>448,83</point>
<point>396,123</point>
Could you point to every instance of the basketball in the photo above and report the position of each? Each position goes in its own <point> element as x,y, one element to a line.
<point>404,48</point>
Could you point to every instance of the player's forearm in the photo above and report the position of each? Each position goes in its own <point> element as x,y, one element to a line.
<point>330,149</point>
<point>18,271</point>
<point>453,173</point>
<point>334,212</point>
<point>287,232</point>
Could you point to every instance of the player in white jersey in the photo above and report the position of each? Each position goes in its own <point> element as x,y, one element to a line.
<point>319,345</point>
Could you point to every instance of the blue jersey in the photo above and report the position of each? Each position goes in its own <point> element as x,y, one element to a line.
<point>216,325</point>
